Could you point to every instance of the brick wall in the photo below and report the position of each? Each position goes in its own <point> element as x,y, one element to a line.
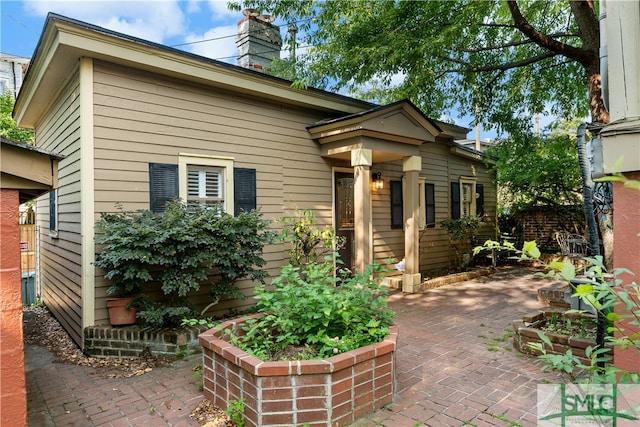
<point>131,341</point>
<point>541,223</point>
<point>329,392</point>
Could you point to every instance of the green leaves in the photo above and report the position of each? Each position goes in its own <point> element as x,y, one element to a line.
<point>180,250</point>
<point>8,126</point>
<point>308,306</point>
<point>428,50</point>
<point>539,171</point>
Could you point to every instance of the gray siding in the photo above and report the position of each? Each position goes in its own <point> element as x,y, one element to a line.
<point>60,257</point>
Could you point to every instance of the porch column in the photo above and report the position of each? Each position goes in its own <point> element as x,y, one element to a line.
<point>411,277</point>
<point>361,162</point>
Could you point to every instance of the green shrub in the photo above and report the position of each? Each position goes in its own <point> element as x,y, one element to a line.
<point>308,307</point>
<point>461,233</point>
<point>181,249</point>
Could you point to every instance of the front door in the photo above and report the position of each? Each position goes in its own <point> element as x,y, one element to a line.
<point>344,220</point>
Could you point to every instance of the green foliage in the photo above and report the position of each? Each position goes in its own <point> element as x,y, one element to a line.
<point>461,233</point>
<point>605,292</point>
<point>308,306</point>
<point>8,126</point>
<point>198,377</point>
<point>235,411</point>
<point>181,249</point>
<point>427,50</point>
<point>533,171</point>
<point>308,242</point>
<point>462,229</point>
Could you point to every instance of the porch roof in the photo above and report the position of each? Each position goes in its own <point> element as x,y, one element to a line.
<point>392,132</point>
<point>28,169</point>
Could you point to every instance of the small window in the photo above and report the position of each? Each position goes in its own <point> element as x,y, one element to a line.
<point>205,185</point>
<point>463,198</point>
<point>207,179</point>
<point>53,210</point>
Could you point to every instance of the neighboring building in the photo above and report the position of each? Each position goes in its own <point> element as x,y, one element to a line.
<point>25,173</point>
<point>12,70</point>
<point>620,40</point>
<point>135,118</point>
<point>473,144</point>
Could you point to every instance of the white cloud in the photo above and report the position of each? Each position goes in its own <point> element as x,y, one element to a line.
<point>222,47</point>
<point>148,19</point>
<point>221,11</point>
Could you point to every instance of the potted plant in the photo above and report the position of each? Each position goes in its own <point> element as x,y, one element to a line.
<point>176,252</point>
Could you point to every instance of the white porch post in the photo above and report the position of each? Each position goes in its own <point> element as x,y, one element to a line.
<point>411,277</point>
<point>361,162</point>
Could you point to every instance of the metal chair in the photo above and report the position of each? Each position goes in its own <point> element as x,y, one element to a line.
<point>573,246</point>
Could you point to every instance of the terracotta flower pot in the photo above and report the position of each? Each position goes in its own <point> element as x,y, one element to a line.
<point>119,314</point>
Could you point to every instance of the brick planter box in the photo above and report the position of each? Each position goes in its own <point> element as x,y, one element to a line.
<point>327,392</point>
<point>526,331</point>
<point>133,341</point>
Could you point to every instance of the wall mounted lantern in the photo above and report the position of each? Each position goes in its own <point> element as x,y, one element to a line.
<point>378,183</point>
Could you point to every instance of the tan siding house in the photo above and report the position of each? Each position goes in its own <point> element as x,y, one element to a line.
<point>121,109</point>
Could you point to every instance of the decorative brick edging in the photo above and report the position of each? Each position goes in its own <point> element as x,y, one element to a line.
<point>328,392</point>
<point>526,331</point>
<point>131,341</point>
<point>449,279</point>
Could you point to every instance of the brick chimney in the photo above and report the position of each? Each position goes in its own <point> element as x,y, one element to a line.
<point>258,40</point>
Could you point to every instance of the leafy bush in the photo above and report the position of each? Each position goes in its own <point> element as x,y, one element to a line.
<point>181,249</point>
<point>461,233</point>
<point>308,242</point>
<point>311,311</point>
<point>605,292</point>
<point>309,307</point>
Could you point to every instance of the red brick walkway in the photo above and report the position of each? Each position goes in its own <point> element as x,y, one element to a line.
<point>455,367</point>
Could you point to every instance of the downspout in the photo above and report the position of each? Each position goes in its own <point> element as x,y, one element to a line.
<point>590,217</point>
<point>587,191</point>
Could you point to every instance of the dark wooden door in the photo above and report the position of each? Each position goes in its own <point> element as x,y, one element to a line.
<point>344,206</point>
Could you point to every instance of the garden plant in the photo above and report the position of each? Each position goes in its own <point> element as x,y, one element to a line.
<point>310,310</point>
<point>603,293</point>
<point>179,251</point>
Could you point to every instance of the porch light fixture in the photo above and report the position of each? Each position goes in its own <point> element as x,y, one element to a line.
<point>378,183</point>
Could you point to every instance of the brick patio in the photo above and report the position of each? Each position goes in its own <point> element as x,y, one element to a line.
<point>455,365</point>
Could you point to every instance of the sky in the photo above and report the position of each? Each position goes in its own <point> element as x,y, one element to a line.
<point>203,27</point>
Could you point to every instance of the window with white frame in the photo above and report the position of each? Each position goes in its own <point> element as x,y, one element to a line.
<point>467,196</point>
<point>207,180</point>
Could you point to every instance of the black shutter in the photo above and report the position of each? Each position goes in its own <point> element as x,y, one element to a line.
<point>163,185</point>
<point>52,210</point>
<point>244,188</point>
<point>480,200</point>
<point>455,200</point>
<point>397,219</point>
<point>430,204</point>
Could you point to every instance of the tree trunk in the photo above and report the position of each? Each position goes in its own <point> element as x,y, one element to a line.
<point>599,113</point>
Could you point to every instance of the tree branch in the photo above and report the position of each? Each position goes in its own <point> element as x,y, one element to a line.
<point>587,23</point>
<point>583,56</point>
<point>512,44</point>
<point>511,65</point>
